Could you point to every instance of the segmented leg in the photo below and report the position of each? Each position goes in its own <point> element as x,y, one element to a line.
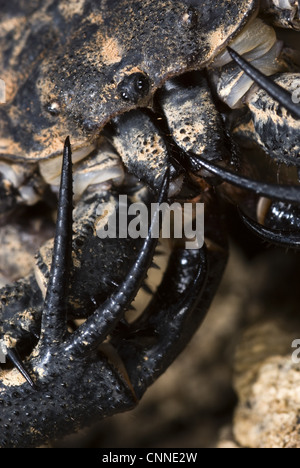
<point>284,98</point>
<point>104,319</point>
<point>75,382</point>
<point>278,237</point>
<point>289,193</point>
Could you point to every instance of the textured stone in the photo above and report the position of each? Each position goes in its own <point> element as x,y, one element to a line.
<point>268,385</point>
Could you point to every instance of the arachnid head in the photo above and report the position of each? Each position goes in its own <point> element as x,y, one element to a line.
<point>112,58</point>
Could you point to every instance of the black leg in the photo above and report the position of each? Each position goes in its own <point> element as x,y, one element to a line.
<point>274,90</point>
<point>105,318</point>
<point>289,193</point>
<point>278,237</point>
<point>179,306</point>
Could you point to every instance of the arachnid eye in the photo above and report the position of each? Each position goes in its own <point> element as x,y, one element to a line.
<point>134,87</point>
<point>53,108</point>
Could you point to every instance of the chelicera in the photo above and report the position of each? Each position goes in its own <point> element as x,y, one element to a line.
<point>149,85</point>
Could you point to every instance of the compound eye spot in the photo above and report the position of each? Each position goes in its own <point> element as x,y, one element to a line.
<point>53,108</point>
<point>134,87</point>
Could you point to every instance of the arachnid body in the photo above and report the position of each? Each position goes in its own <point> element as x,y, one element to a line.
<point>147,88</point>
